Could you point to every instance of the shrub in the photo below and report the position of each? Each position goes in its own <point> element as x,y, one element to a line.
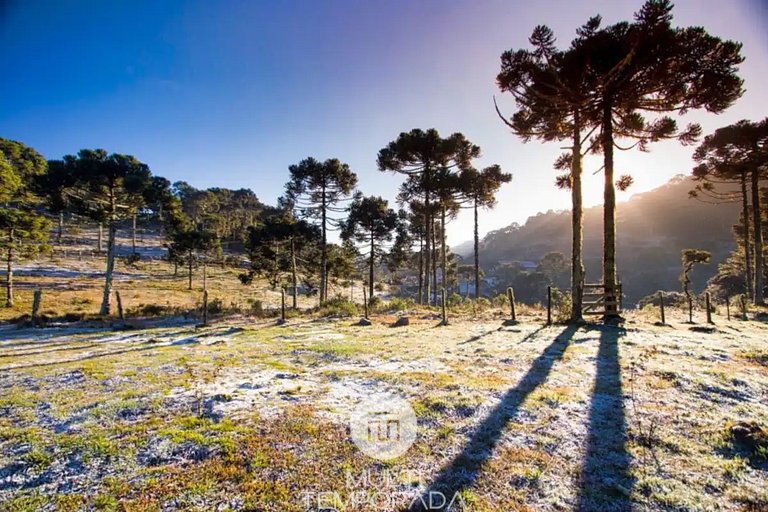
<point>375,302</point>
<point>397,304</point>
<point>482,304</point>
<point>132,258</point>
<point>749,437</point>
<point>230,260</point>
<point>561,305</point>
<point>149,310</point>
<point>257,308</point>
<point>338,306</point>
<point>500,301</point>
<point>672,299</point>
<point>215,306</point>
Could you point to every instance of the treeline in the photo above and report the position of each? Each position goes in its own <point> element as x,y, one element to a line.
<point>286,244</point>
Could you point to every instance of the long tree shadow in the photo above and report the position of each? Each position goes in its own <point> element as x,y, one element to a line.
<point>463,470</point>
<point>606,483</point>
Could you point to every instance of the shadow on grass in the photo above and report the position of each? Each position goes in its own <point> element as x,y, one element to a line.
<point>462,472</point>
<point>605,483</point>
<point>478,337</point>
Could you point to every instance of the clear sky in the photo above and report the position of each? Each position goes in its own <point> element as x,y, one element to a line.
<point>230,93</point>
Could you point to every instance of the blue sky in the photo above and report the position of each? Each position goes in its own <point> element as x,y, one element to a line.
<point>230,93</point>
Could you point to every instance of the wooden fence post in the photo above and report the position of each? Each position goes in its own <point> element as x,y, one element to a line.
<point>549,305</point>
<point>119,305</point>
<point>37,297</point>
<point>282,304</point>
<point>511,296</point>
<point>728,307</point>
<point>661,307</point>
<point>708,300</point>
<point>445,313</point>
<point>205,307</point>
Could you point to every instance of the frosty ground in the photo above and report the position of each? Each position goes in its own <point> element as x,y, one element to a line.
<point>248,415</point>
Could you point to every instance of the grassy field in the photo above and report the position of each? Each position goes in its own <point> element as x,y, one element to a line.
<point>148,288</point>
<point>247,415</point>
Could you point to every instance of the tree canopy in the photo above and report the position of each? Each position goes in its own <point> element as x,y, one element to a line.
<point>370,222</point>
<point>315,190</point>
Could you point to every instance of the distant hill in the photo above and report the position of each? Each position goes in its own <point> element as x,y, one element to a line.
<point>653,228</point>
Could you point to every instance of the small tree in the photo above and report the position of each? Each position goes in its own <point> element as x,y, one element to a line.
<point>342,263</point>
<point>554,265</point>
<point>370,222</point>
<point>105,188</point>
<point>691,257</point>
<point>23,229</point>
<point>193,245</point>
<point>276,244</point>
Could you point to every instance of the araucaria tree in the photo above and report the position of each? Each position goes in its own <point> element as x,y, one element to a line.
<point>107,189</point>
<point>276,246</point>
<point>191,245</point>
<point>691,257</point>
<point>623,73</point>
<point>649,67</point>
<point>22,228</point>
<point>316,188</point>
<point>739,153</point>
<point>550,90</point>
<point>479,188</point>
<point>371,223</point>
<point>422,156</point>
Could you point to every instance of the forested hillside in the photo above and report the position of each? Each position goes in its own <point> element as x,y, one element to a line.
<point>653,227</point>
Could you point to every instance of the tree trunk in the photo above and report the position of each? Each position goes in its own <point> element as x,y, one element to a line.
<point>747,244</point>
<point>370,269</point>
<point>577,227</point>
<point>444,252</point>
<point>758,231</point>
<point>189,275</point>
<point>421,270</point>
<point>294,277</point>
<point>60,232</point>
<point>9,272</point>
<point>609,216</point>
<point>427,236</point>
<point>323,253</point>
<point>133,233</point>
<point>477,257</point>
<point>106,301</point>
<point>205,275</point>
<point>434,263</point>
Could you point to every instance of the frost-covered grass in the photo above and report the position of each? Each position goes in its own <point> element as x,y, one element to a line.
<point>147,288</point>
<point>246,415</point>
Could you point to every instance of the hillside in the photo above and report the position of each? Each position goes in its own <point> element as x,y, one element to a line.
<point>653,227</point>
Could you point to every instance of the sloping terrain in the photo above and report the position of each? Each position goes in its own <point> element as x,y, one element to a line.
<point>652,229</point>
